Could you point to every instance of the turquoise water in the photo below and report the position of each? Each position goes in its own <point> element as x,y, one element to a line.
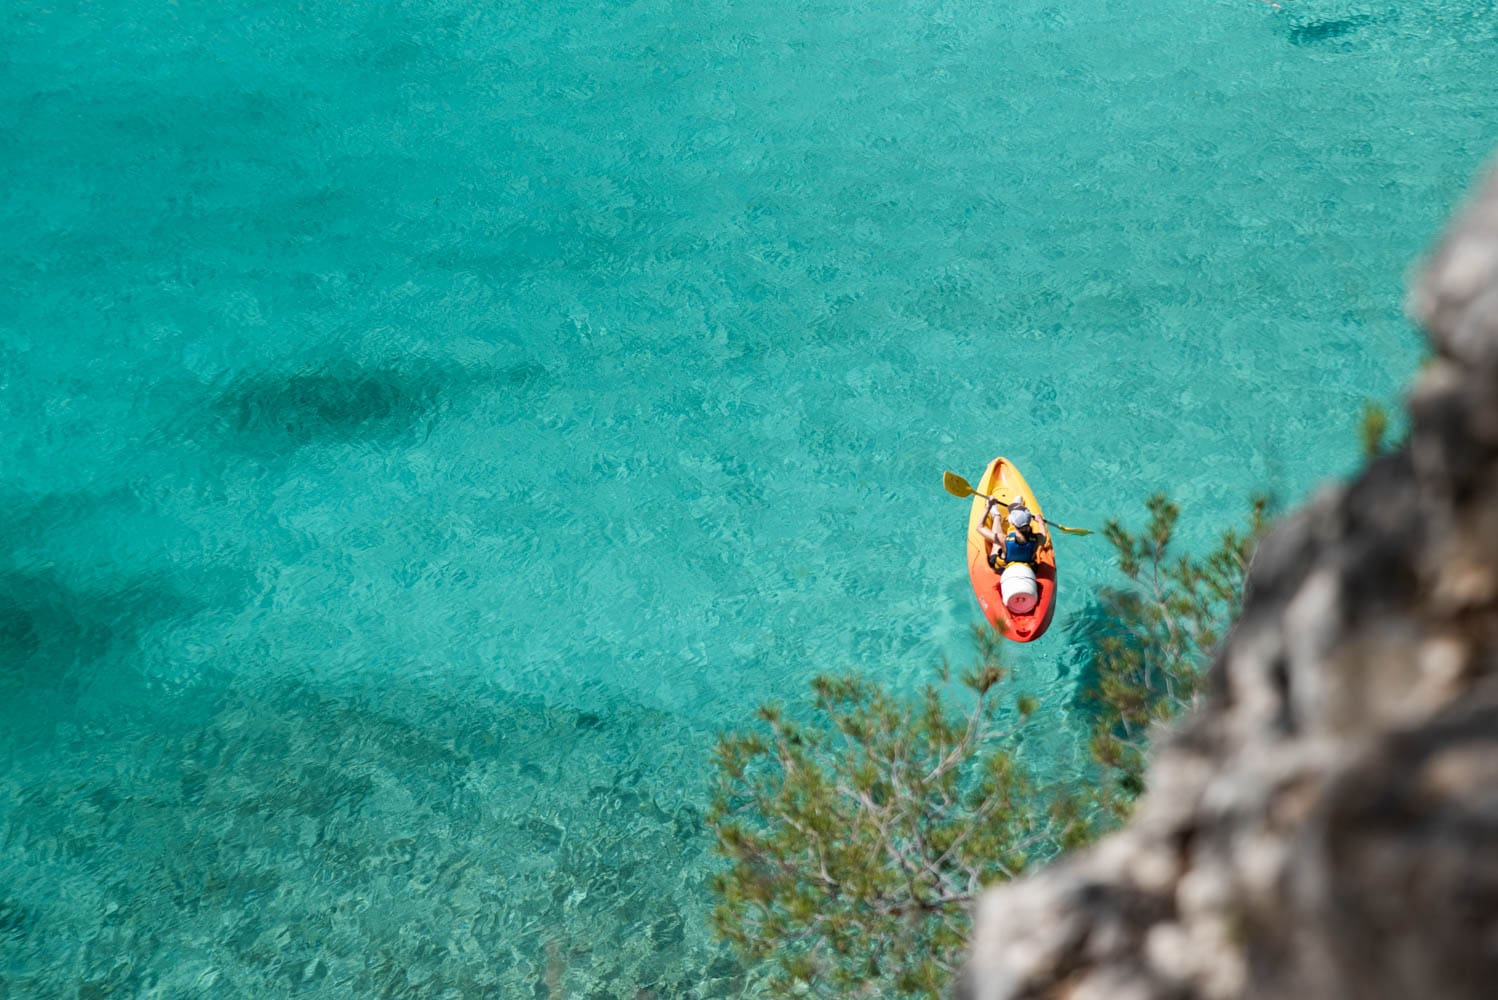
<point>430,423</point>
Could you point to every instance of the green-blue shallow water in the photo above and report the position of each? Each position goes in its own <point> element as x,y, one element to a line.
<point>428,423</point>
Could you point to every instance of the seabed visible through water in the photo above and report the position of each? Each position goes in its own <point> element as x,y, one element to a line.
<point>430,424</point>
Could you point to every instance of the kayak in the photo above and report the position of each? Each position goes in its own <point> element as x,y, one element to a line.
<point>1002,480</point>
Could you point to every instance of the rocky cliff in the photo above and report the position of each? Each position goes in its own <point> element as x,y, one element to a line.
<point>1325,824</point>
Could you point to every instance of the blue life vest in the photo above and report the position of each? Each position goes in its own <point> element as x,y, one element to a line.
<point>1017,549</point>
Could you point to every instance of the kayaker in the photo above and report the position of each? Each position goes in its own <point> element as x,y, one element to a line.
<point>998,512</point>
<point>1026,539</point>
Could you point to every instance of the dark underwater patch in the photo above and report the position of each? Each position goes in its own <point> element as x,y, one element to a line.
<point>51,626</point>
<point>82,575</point>
<point>337,404</point>
<point>15,920</point>
<point>29,519</point>
<point>1324,30</point>
<point>345,402</point>
<point>1086,630</point>
<point>525,375</point>
<point>46,622</point>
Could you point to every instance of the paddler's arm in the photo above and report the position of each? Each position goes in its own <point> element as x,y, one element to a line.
<point>1045,533</point>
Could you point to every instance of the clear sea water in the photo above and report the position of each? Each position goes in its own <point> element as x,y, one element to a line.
<point>428,424</point>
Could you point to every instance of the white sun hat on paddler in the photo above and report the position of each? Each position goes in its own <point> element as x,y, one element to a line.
<point>1019,518</point>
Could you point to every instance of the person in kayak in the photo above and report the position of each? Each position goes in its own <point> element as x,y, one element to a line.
<point>1024,542</point>
<point>994,535</point>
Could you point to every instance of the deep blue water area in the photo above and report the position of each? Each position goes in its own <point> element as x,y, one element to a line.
<point>428,424</point>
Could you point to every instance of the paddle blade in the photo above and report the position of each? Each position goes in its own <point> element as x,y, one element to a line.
<point>1069,531</point>
<point>956,485</point>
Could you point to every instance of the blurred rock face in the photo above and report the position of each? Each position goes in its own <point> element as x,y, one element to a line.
<point>1325,824</point>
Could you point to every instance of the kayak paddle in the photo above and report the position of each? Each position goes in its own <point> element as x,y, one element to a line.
<point>959,487</point>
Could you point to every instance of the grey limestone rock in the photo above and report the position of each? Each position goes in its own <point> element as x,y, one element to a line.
<point>1324,824</point>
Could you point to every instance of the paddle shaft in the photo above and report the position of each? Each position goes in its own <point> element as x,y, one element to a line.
<point>959,487</point>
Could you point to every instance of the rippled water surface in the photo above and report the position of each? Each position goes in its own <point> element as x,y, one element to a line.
<point>429,423</point>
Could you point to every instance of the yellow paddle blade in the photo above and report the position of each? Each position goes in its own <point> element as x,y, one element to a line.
<point>1070,531</point>
<point>956,485</point>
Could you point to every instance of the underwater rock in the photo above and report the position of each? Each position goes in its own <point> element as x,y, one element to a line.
<point>1321,825</point>
<point>334,403</point>
<point>1326,29</point>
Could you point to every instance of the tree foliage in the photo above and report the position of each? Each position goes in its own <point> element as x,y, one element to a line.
<point>1162,628</point>
<point>1373,429</point>
<point>857,833</point>
<point>856,838</point>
